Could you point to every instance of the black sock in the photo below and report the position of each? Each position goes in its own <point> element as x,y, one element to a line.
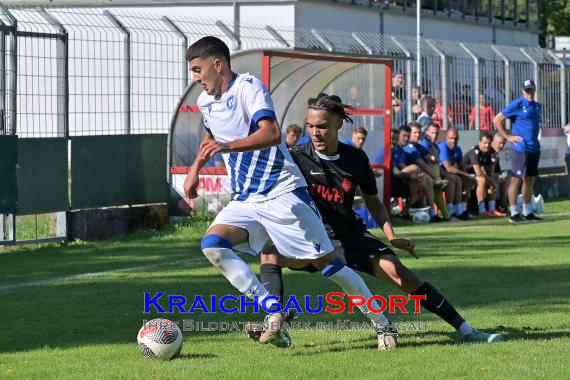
<point>271,278</point>
<point>438,305</point>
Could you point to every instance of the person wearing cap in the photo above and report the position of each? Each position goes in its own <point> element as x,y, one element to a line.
<point>525,116</point>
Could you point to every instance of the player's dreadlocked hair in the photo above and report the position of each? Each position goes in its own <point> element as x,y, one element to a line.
<point>332,103</point>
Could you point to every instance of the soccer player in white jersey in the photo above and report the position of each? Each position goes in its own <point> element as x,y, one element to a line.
<point>269,197</point>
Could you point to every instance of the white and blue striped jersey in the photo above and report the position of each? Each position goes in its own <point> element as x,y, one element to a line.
<point>255,175</point>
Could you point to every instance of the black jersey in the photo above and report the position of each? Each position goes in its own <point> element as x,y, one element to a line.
<point>497,161</point>
<point>332,182</point>
<point>476,157</point>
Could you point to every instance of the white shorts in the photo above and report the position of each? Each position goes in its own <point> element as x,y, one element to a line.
<point>290,220</point>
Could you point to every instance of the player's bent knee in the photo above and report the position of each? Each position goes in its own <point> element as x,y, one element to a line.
<point>332,267</point>
<point>215,241</point>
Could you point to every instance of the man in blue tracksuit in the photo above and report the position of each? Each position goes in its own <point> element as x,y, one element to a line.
<point>524,114</point>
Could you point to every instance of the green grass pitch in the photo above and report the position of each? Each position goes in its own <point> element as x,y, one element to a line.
<point>74,311</point>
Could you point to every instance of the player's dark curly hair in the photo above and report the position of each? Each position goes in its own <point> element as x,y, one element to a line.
<point>207,47</point>
<point>332,103</point>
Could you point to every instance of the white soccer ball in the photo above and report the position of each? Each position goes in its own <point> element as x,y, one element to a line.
<point>215,206</point>
<point>160,339</point>
<point>538,204</point>
<point>421,217</point>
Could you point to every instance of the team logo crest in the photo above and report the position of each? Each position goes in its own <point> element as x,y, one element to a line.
<point>231,102</point>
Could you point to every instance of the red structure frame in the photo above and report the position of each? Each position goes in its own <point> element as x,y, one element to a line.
<point>386,111</point>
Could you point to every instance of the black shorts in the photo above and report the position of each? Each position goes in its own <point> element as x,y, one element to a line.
<point>360,251</point>
<point>524,164</point>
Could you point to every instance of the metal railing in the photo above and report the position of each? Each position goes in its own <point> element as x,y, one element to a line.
<point>83,72</point>
<point>75,72</point>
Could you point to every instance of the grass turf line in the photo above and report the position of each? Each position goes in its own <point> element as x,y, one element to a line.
<point>511,279</point>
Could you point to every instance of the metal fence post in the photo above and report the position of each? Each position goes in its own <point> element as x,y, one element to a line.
<point>8,221</point>
<point>562,87</point>
<point>2,81</point>
<point>62,74</point>
<point>231,35</point>
<point>13,71</point>
<point>507,81</point>
<point>327,44</point>
<point>277,36</point>
<point>127,69</point>
<point>408,78</point>
<point>443,59</point>
<point>535,70</point>
<point>475,85</point>
<point>184,45</point>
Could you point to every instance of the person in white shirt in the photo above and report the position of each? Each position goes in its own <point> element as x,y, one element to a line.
<point>269,198</point>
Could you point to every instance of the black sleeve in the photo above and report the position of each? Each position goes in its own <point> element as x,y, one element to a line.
<point>469,159</point>
<point>368,180</point>
<point>297,153</point>
<point>498,169</point>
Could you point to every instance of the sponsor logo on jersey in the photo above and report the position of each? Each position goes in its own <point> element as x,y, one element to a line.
<point>329,194</point>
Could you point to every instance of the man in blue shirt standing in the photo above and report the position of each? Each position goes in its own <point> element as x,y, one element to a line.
<point>524,114</point>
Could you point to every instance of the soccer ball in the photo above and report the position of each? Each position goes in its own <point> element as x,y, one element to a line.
<point>538,204</point>
<point>160,339</point>
<point>215,206</point>
<point>421,217</point>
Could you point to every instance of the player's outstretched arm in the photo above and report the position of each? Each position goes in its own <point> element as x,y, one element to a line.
<point>380,215</point>
<point>268,135</point>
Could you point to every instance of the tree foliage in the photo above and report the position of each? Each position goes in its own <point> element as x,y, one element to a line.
<point>554,19</point>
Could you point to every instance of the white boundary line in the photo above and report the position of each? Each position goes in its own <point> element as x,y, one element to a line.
<point>82,276</point>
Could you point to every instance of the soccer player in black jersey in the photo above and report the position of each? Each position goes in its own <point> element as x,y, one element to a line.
<point>333,171</point>
<point>479,161</point>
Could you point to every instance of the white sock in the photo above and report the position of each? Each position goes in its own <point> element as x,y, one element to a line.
<point>238,273</point>
<point>514,210</point>
<point>527,209</point>
<point>354,285</point>
<point>491,206</point>
<point>450,209</point>
<point>481,207</point>
<point>465,329</point>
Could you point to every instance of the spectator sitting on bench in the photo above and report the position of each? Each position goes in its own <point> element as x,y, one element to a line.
<point>426,164</point>
<point>405,169</point>
<point>478,162</point>
<point>451,161</point>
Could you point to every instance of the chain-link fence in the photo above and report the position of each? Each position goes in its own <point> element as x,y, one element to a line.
<point>76,72</point>
<point>73,73</point>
